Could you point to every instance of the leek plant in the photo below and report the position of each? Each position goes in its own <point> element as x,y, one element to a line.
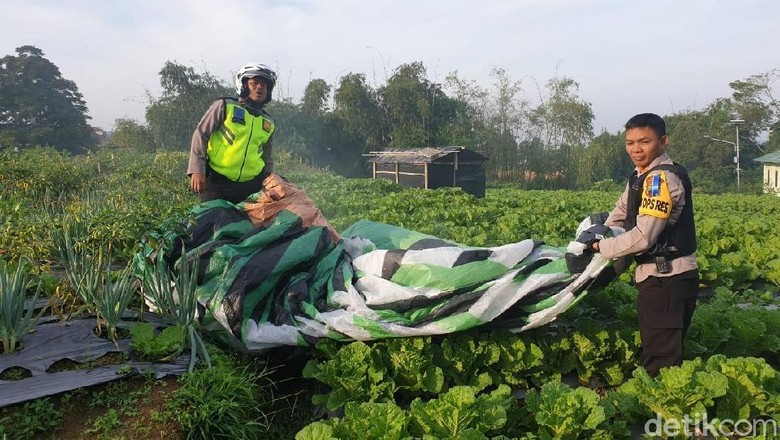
<point>83,269</point>
<point>112,300</point>
<point>89,273</point>
<point>176,298</point>
<point>15,322</point>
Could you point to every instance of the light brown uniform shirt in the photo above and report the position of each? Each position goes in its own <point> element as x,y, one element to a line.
<point>647,229</point>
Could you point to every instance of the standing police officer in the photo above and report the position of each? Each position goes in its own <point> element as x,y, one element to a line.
<point>231,149</point>
<point>657,213</point>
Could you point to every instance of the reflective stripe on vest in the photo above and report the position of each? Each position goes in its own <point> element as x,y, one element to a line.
<point>235,149</point>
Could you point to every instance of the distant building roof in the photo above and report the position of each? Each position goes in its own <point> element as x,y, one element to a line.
<point>420,155</point>
<point>770,158</point>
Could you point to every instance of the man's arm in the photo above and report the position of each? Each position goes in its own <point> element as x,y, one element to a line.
<point>211,121</point>
<point>648,227</point>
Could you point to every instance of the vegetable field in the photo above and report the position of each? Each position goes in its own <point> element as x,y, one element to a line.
<point>573,379</point>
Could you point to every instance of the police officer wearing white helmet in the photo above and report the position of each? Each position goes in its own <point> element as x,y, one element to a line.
<point>231,148</point>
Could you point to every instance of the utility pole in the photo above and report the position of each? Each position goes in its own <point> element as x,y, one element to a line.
<point>736,158</point>
<point>735,123</point>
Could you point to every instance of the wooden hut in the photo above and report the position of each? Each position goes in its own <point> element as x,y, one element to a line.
<point>432,167</point>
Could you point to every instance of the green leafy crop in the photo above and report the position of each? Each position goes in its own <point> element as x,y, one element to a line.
<point>164,346</point>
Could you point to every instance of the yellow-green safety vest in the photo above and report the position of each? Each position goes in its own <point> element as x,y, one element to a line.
<point>235,149</point>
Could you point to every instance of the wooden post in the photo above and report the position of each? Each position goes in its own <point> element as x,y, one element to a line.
<point>373,169</point>
<point>426,175</point>
<point>397,179</point>
<point>455,171</point>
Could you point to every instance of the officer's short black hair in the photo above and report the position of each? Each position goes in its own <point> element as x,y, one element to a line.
<point>650,120</point>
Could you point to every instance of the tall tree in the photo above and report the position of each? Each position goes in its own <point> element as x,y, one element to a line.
<point>564,122</point>
<point>563,118</point>
<point>292,129</point>
<point>472,111</point>
<point>773,142</point>
<point>604,159</point>
<point>507,122</point>
<point>313,121</point>
<point>703,142</point>
<point>315,97</point>
<point>131,135</point>
<point>356,105</point>
<point>492,122</point>
<point>417,109</point>
<point>407,107</point>
<point>756,103</point>
<point>40,107</point>
<point>186,95</point>
<point>354,127</point>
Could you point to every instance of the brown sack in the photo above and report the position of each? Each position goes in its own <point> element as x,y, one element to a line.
<point>278,194</point>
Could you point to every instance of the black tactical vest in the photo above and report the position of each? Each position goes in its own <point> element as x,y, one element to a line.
<point>679,238</point>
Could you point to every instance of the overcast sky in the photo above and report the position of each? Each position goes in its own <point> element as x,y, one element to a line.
<point>628,56</point>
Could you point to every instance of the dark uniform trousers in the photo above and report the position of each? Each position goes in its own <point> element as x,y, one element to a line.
<point>220,187</point>
<point>666,306</point>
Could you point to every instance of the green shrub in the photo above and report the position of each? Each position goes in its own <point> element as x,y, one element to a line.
<point>220,402</point>
<point>35,417</point>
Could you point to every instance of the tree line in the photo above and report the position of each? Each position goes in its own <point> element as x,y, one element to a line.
<point>548,142</point>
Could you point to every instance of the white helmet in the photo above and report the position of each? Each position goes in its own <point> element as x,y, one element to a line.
<point>253,70</point>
